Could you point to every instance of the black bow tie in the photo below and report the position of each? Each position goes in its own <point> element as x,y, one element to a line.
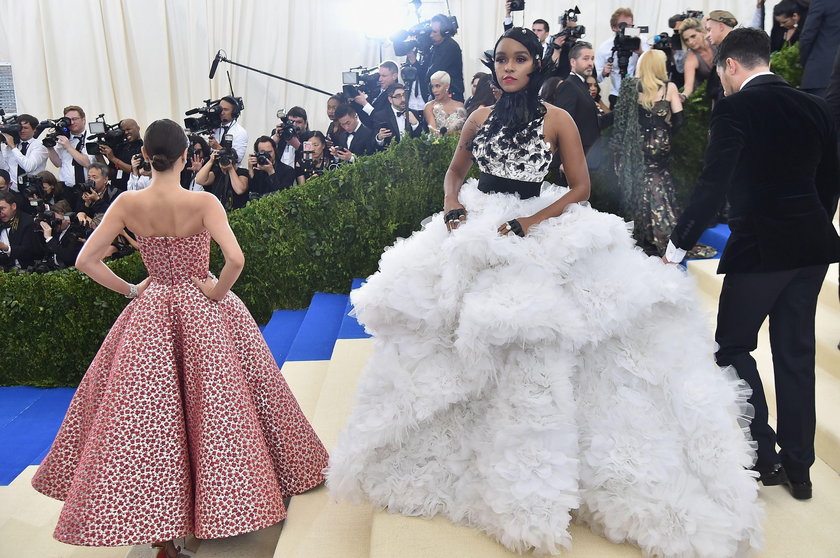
<point>401,113</point>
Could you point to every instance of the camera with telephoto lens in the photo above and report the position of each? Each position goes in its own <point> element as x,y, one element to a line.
<point>287,130</point>
<point>57,127</point>
<point>209,117</point>
<point>571,32</point>
<point>675,19</point>
<point>46,215</point>
<point>103,134</point>
<point>32,186</point>
<point>626,42</point>
<point>86,187</point>
<point>662,42</point>
<point>227,155</point>
<point>10,125</point>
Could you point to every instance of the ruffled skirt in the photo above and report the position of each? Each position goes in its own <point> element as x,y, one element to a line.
<point>518,382</point>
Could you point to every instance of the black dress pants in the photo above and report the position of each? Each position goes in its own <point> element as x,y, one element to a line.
<point>789,298</point>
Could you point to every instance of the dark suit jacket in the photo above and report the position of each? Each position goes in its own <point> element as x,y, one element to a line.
<point>818,42</point>
<point>22,241</point>
<point>66,249</point>
<point>378,102</point>
<point>385,118</point>
<point>832,93</point>
<point>573,96</point>
<point>362,143</point>
<point>772,154</point>
<point>447,57</point>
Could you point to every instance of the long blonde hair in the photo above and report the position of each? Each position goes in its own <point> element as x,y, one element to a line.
<point>652,75</point>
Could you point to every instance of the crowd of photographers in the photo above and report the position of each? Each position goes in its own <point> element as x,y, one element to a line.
<point>45,219</point>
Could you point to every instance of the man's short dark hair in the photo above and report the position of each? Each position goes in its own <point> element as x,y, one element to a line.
<point>750,47</point>
<point>391,66</point>
<point>543,22</point>
<point>574,53</point>
<point>263,139</point>
<point>297,112</point>
<point>29,119</point>
<point>102,167</point>
<point>344,110</point>
<point>393,88</point>
<point>4,174</point>
<point>8,196</point>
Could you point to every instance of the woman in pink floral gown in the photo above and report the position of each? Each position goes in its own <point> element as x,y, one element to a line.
<point>183,423</point>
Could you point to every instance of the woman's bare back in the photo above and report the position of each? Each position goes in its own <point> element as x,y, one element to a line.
<point>166,211</point>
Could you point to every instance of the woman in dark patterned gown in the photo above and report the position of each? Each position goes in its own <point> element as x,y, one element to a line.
<point>531,364</point>
<point>183,423</point>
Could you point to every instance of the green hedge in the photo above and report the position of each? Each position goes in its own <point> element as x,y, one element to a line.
<point>314,237</point>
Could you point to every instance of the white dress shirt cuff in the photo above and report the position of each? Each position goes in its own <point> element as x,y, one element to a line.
<point>508,21</point>
<point>674,254</point>
<point>368,108</point>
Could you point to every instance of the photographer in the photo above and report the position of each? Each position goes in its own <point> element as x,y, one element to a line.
<point>540,28</point>
<point>53,189</point>
<point>365,106</point>
<point>287,136</point>
<point>24,154</point>
<point>445,55</point>
<point>119,158</point>
<point>59,240</point>
<point>264,175</point>
<point>316,158</point>
<point>17,235</point>
<point>230,125</point>
<point>395,121</point>
<point>141,173</point>
<point>95,195</point>
<point>70,154</point>
<point>197,155</point>
<point>606,60</point>
<point>223,179</point>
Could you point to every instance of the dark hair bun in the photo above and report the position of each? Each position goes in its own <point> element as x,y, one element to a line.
<point>160,163</point>
<point>164,142</point>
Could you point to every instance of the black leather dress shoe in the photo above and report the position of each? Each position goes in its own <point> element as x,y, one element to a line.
<point>800,490</point>
<point>774,476</point>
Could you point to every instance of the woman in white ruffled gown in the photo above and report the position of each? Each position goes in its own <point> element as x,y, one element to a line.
<point>532,365</point>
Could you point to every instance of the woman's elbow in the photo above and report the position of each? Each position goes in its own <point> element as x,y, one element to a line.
<point>236,261</point>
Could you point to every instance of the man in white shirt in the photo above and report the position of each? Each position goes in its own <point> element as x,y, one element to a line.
<point>25,156</point>
<point>391,122</point>
<point>605,68</point>
<point>231,109</point>
<point>69,154</point>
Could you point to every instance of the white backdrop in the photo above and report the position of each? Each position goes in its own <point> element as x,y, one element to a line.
<point>149,59</point>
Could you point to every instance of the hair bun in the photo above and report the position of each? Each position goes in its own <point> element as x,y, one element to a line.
<point>160,162</point>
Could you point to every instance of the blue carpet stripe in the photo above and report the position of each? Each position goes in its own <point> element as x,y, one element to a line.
<point>26,438</point>
<point>318,331</point>
<point>280,332</point>
<point>350,327</point>
<point>716,237</point>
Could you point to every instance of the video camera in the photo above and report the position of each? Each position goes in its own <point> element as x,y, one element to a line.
<point>419,36</point>
<point>359,79</point>
<point>101,133</point>
<point>10,125</point>
<point>571,32</point>
<point>676,19</point>
<point>288,130</point>
<point>57,127</point>
<point>210,117</point>
<point>627,41</point>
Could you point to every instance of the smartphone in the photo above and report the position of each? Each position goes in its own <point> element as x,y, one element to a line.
<point>307,146</point>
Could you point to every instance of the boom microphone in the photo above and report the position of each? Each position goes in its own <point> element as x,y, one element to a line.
<point>215,64</point>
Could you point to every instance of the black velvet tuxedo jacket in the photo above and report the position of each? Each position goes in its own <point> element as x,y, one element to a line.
<point>573,96</point>
<point>772,154</point>
<point>362,142</point>
<point>22,241</point>
<point>385,118</point>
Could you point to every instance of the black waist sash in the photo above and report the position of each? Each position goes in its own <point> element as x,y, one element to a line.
<point>489,183</point>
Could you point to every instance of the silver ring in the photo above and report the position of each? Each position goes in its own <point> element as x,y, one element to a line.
<point>507,226</point>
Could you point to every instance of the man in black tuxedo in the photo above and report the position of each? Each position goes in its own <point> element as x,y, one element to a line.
<point>445,55</point>
<point>357,138</point>
<point>818,45</point>
<point>772,154</point>
<point>365,106</point>
<point>17,235</point>
<point>394,122</point>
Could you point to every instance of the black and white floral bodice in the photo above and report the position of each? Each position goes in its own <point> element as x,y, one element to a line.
<point>523,156</point>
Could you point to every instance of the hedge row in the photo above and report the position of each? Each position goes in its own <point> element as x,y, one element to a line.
<point>314,237</point>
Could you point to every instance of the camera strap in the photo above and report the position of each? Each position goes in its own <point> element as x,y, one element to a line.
<point>78,169</point>
<point>24,146</point>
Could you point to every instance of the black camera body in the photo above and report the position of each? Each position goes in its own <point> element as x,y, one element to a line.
<point>101,133</point>
<point>263,158</point>
<point>32,186</point>
<point>10,125</point>
<point>359,79</point>
<point>625,45</point>
<point>209,117</point>
<point>57,127</point>
<point>288,130</point>
<point>227,155</point>
<point>675,19</point>
<point>663,42</point>
<point>517,5</point>
<point>86,187</point>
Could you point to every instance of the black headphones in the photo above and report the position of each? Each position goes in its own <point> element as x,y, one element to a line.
<point>448,24</point>
<point>238,105</point>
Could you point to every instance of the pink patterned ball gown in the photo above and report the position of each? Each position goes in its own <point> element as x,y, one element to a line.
<point>183,423</point>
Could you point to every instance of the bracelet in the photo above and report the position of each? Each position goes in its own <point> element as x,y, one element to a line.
<point>132,291</point>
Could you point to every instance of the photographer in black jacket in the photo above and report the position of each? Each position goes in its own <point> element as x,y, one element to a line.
<point>445,56</point>
<point>17,235</point>
<point>267,176</point>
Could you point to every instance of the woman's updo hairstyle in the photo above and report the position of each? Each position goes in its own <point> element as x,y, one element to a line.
<point>164,142</point>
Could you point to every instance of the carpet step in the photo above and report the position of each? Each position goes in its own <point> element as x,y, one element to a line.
<point>280,332</point>
<point>319,328</point>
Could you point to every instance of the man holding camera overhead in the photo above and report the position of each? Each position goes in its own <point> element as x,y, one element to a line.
<point>389,74</point>
<point>445,55</point>
<point>606,60</point>
<point>231,108</point>
<point>24,155</point>
<point>70,154</point>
